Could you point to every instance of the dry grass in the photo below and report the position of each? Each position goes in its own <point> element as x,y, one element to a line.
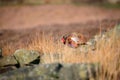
<point>107,53</point>
<point>47,44</point>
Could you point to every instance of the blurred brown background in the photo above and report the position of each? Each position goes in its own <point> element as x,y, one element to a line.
<point>20,20</point>
<point>59,1</point>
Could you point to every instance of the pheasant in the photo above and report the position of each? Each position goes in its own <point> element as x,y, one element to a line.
<point>74,40</point>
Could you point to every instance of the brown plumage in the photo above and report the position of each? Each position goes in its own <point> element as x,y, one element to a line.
<point>74,40</point>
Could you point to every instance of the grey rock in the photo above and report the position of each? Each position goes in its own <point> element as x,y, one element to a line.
<point>6,69</point>
<point>7,60</point>
<point>79,72</point>
<point>54,71</point>
<point>26,56</point>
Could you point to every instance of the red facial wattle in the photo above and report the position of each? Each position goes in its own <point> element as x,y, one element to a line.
<point>63,40</point>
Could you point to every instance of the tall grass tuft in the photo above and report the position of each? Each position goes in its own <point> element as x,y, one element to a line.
<point>107,54</point>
